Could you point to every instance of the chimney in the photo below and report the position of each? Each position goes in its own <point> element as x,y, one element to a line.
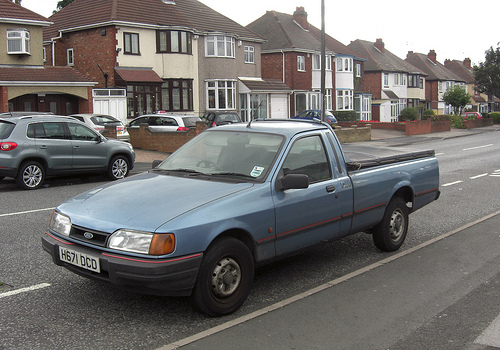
<point>409,54</point>
<point>379,44</point>
<point>467,63</point>
<point>300,16</point>
<point>432,56</point>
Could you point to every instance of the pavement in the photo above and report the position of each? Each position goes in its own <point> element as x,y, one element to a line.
<point>442,294</point>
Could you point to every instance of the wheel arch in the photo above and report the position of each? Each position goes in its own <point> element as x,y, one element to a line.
<point>124,154</point>
<point>238,234</point>
<point>407,194</point>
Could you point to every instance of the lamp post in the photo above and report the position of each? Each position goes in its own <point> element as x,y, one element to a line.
<point>323,61</point>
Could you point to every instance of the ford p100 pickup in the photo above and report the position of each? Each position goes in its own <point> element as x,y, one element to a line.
<point>235,197</point>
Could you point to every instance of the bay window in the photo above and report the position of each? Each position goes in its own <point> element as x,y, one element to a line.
<point>221,94</point>
<point>219,46</point>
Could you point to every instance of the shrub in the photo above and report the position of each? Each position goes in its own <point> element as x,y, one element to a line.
<point>457,122</point>
<point>428,113</point>
<point>496,117</point>
<point>345,116</point>
<point>440,117</point>
<point>409,114</point>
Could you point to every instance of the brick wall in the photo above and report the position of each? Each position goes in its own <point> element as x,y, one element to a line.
<point>162,141</point>
<point>272,66</point>
<point>373,84</point>
<point>4,99</point>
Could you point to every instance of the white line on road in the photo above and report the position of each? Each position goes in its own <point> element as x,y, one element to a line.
<point>478,176</point>
<point>180,343</point>
<point>471,148</point>
<point>439,154</point>
<point>23,290</point>
<point>451,183</point>
<point>25,212</point>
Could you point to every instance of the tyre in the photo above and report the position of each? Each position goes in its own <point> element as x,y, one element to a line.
<point>118,167</point>
<point>390,234</point>
<point>224,279</point>
<point>31,176</point>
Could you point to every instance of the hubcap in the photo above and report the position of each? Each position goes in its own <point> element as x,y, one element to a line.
<point>119,168</point>
<point>226,277</point>
<point>396,226</point>
<point>32,176</point>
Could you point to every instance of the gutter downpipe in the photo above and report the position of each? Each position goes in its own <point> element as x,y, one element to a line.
<point>53,40</point>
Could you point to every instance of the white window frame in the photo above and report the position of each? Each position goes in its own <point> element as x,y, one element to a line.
<point>18,42</point>
<point>249,54</point>
<point>70,57</point>
<point>386,79</point>
<point>340,60</point>
<point>221,88</point>
<point>301,63</point>
<point>358,70</point>
<point>219,46</point>
<point>345,100</point>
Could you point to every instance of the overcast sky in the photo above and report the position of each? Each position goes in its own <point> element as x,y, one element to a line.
<point>455,30</point>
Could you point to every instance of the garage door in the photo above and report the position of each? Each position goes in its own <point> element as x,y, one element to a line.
<point>279,106</point>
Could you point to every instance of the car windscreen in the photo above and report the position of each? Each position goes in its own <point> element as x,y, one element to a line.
<point>249,155</point>
<point>104,120</point>
<point>190,121</point>
<point>5,129</point>
<point>227,118</point>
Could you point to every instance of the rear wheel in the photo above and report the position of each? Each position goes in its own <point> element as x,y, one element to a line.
<point>31,176</point>
<point>118,167</point>
<point>224,279</point>
<point>390,234</point>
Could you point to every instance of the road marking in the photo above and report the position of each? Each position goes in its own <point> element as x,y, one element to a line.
<point>471,148</point>
<point>478,176</point>
<point>439,154</point>
<point>23,290</point>
<point>25,212</point>
<point>278,305</point>
<point>451,183</point>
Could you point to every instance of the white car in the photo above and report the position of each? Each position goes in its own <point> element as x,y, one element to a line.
<point>165,122</point>
<point>98,122</point>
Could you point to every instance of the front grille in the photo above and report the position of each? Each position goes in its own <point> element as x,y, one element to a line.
<point>89,236</point>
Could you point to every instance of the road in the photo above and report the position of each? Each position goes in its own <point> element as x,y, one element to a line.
<point>59,310</point>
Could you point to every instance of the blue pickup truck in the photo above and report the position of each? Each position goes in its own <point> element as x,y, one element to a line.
<point>235,197</point>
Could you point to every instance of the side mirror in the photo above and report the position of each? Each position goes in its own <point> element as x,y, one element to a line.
<point>156,163</point>
<point>292,182</point>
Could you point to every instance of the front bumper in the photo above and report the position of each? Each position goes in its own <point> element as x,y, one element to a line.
<point>168,277</point>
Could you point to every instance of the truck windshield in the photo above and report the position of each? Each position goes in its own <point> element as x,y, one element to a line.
<point>227,153</point>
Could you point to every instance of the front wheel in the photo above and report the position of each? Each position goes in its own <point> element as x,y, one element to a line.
<point>390,234</point>
<point>118,168</point>
<point>31,176</point>
<point>224,279</point>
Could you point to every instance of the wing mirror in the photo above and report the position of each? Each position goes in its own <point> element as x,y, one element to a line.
<point>292,182</point>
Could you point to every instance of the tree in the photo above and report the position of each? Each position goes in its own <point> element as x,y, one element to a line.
<point>63,3</point>
<point>457,97</point>
<point>487,74</point>
<point>17,2</point>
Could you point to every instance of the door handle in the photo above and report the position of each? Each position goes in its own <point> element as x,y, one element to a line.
<point>330,188</point>
<point>43,147</point>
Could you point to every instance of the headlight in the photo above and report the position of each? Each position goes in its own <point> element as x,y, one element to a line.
<point>142,242</point>
<point>60,223</point>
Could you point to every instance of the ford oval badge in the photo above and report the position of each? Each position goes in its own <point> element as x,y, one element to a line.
<point>88,235</point>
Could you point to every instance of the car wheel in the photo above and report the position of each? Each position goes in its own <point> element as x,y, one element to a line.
<point>118,168</point>
<point>390,234</point>
<point>224,279</point>
<point>31,176</point>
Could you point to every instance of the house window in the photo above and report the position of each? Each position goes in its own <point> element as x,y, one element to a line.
<point>328,99</point>
<point>396,79</point>
<point>301,63</point>
<point>421,83</point>
<point>174,41</point>
<point>177,95</point>
<point>219,46</point>
<point>131,43</point>
<point>358,70</point>
<point>18,41</point>
<point>69,57</point>
<point>339,65</point>
<point>386,80</point>
<point>440,86</point>
<point>249,54</point>
<point>317,62</point>
<point>44,54</point>
<point>345,100</point>
<point>221,94</point>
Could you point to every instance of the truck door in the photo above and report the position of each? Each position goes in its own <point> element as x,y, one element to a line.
<point>307,216</point>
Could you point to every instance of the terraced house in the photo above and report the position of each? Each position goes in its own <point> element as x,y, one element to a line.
<point>178,56</point>
<point>25,84</point>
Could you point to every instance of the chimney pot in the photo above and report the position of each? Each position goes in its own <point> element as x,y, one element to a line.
<point>432,56</point>
<point>379,44</point>
<point>300,16</point>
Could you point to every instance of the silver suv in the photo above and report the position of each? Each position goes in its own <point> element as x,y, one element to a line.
<point>34,147</point>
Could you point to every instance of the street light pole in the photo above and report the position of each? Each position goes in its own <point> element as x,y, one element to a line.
<point>323,61</point>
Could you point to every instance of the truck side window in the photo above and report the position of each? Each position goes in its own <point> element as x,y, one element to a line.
<point>308,156</point>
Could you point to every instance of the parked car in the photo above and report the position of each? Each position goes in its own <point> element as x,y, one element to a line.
<point>471,115</point>
<point>214,118</point>
<point>311,114</point>
<point>165,122</point>
<point>35,147</point>
<point>234,197</point>
<point>22,113</point>
<point>99,122</point>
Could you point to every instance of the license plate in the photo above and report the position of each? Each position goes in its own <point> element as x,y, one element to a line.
<point>82,260</point>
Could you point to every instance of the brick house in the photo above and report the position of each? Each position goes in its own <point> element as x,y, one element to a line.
<point>394,83</point>
<point>479,101</point>
<point>25,85</point>
<point>292,55</point>
<point>178,56</point>
<point>439,79</point>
